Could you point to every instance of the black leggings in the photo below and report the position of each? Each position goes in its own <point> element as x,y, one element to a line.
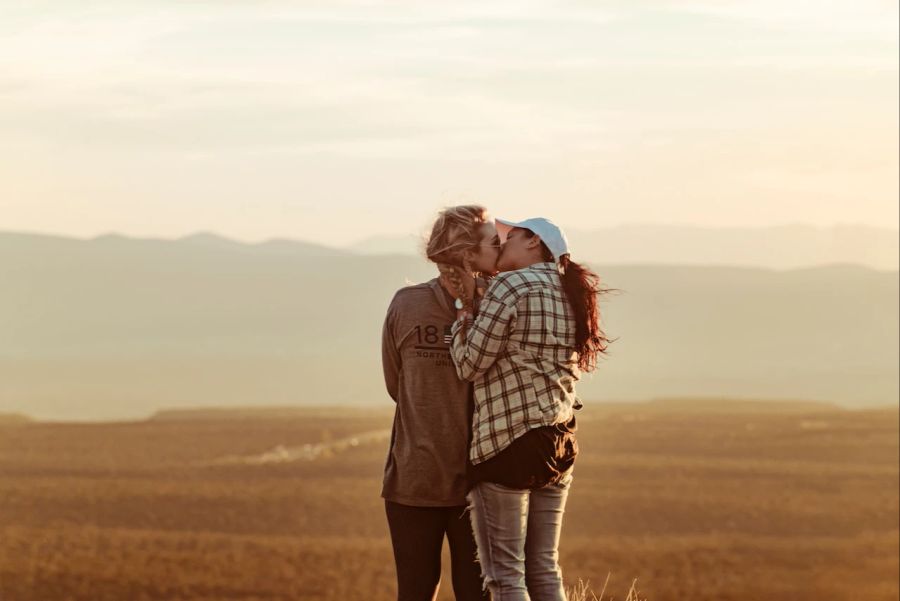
<point>417,535</point>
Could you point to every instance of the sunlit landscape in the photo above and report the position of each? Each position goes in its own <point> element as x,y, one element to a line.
<point>206,209</point>
<point>704,499</point>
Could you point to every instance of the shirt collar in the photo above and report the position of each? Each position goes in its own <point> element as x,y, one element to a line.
<point>545,266</point>
<point>444,299</point>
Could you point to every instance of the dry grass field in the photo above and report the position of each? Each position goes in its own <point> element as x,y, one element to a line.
<point>696,500</point>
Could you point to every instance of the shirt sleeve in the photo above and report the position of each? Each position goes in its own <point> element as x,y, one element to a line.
<point>390,355</point>
<point>485,338</point>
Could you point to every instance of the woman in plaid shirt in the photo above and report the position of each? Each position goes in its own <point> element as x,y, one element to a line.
<point>537,328</point>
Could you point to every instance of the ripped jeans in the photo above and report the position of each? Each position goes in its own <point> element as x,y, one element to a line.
<point>517,533</point>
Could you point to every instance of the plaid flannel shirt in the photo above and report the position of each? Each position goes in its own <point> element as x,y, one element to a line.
<point>520,353</point>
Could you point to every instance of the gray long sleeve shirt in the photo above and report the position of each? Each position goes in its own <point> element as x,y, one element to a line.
<point>426,463</point>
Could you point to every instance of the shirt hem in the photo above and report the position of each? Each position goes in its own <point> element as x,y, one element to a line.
<point>413,502</point>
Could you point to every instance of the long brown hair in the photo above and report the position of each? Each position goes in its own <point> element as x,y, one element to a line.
<point>582,288</point>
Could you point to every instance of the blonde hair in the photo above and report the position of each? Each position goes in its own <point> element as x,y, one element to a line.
<point>455,231</point>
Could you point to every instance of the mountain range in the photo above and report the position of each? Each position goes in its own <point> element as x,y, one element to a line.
<point>118,328</point>
<point>778,247</point>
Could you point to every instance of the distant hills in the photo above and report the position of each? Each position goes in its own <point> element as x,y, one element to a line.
<point>778,247</point>
<point>781,247</point>
<point>116,327</point>
<point>14,419</point>
<point>202,241</point>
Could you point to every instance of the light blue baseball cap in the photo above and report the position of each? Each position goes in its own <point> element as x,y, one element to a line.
<point>550,233</point>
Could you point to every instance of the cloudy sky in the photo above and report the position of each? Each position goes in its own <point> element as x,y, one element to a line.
<point>334,121</point>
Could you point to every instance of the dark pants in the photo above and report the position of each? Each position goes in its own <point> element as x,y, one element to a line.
<point>417,535</point>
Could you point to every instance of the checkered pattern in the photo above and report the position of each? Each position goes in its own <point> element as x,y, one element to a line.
<point>519,352</point>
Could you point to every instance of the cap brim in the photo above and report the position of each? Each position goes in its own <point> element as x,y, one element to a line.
<point>504,227</point>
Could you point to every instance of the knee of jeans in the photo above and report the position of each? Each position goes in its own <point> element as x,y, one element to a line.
<point>507,565</point>
<point>548,578</point>
<point>505,570</point>
<point>542,565</point>
<point>505,580</point>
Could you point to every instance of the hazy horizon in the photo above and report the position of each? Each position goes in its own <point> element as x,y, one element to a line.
<point>354,243</point>
<point>783,247</point>
<point>119,327</point>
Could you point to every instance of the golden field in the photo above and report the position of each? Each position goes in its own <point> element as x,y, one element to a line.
<point>696,499</point>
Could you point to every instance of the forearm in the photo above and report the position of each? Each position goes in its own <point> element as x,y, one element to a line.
<point>478,341</point>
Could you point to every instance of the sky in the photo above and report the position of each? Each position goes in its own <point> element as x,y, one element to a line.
<point>337,121</point>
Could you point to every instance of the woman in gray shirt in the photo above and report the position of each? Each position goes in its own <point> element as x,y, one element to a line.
<point>425,479</point>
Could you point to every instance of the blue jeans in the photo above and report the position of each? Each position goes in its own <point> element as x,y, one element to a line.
<point>517,533</point>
